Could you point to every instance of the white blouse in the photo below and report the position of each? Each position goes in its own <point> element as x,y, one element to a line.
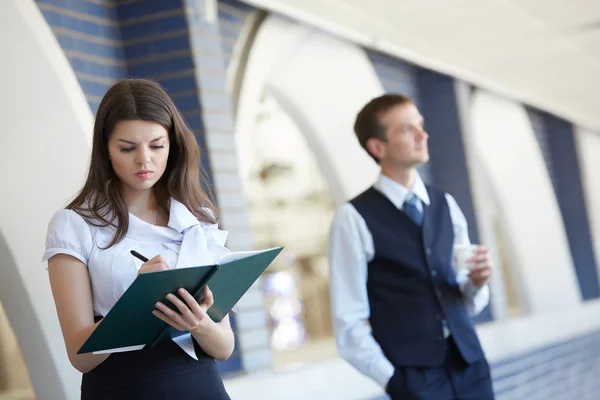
<point>184,242</point>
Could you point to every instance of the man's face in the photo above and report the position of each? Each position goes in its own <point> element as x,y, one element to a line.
<point>406,143</point>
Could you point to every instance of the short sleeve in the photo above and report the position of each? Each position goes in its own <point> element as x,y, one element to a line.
<point>68,233</point>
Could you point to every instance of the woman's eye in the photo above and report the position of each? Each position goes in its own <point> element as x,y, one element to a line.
<point>158,147</point>
<point>126,149</point>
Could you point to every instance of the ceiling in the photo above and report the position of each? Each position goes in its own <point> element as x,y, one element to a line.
<point>545,53</point>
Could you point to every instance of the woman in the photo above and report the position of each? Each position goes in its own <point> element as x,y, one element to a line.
<point>142,193</point>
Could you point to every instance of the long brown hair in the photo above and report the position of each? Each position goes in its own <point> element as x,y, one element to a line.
<point>100,202</point>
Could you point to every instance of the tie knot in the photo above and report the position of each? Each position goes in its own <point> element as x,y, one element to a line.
<point>411,199</point>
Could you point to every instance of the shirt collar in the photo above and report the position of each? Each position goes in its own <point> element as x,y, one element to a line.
<point>398,193</point>
<point>180,219</point>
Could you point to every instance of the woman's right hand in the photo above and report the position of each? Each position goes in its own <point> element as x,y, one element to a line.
<point>158,263</point>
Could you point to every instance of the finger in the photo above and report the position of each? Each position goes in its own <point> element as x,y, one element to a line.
<point>482,254</point>
<point>157,259</point>
<point>181,306</point>
<point>167,320</point>
<point>175,316</point>
<point>161,266</point>
<point>481,275</point>
<point>208,296</point>
<point>191,302</point>
<point>479,267</point>
<point>480,250</point>
<point>479,258</point>
<point>208,300</point>
<point>153,268</point>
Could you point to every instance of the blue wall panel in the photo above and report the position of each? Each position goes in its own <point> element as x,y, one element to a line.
<point>557,144</point>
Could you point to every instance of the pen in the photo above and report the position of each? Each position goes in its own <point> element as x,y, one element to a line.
<point>138,255</point>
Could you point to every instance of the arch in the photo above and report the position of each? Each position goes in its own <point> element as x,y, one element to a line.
<point>241,50</point>
<point>282,61</point>
<point>46,135</point>
<point>505,146</point>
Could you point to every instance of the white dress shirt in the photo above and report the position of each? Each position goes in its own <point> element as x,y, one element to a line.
<point>185,242</point>
<point>350,250</point>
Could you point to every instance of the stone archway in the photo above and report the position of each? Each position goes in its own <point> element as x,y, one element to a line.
<point>282,62</point>
<point>292,63</point>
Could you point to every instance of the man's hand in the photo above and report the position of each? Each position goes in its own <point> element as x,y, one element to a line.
<point>481,267</point>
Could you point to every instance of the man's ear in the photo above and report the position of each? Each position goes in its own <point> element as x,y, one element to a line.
<point>376,147</point>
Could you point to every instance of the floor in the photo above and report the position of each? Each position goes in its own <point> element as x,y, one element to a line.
<point>17,395</point>
<point>314,351</point>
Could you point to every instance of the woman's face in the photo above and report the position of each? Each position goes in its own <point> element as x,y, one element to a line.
<point>139,151</point>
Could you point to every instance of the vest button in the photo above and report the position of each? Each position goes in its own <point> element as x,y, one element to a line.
<point>438,293</point>
<point>439,338</point>
<point>434,273</point>
<point>428,251</point>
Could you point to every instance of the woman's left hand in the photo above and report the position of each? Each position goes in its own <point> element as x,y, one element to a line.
<point>192,315</point>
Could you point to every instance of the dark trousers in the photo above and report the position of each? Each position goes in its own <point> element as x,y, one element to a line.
<point>454,380</point>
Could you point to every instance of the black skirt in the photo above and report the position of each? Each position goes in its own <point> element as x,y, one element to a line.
<point>163,372</point>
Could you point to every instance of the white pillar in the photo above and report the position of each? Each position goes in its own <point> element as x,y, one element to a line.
<point>46,137</point>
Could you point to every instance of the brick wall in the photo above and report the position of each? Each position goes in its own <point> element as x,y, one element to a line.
<point>563,371</point>
<point>90,36</point>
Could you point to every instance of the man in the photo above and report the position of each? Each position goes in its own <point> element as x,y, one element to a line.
<point>400,314</point>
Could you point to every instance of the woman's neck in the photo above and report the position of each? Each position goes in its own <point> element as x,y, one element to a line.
<point>142,204</point>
